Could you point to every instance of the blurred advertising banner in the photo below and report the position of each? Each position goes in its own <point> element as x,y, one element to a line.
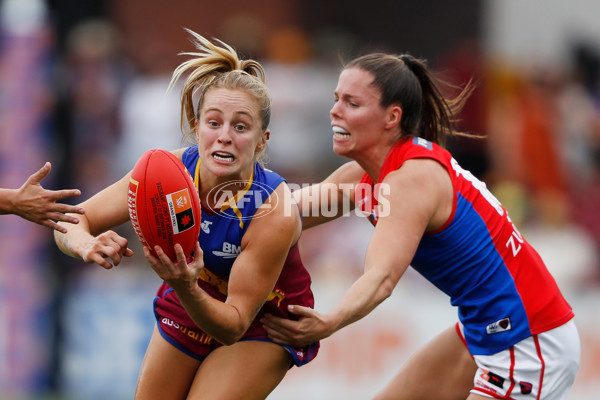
<point>25,288</point>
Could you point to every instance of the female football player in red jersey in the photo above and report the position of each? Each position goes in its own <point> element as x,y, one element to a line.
<point>208,342</point>
<point>36,204</point>
<point>515,337</point>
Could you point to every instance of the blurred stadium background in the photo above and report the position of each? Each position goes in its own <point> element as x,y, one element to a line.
<point>82,84</point>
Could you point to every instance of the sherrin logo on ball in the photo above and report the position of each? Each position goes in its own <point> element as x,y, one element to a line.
<point>131,204</point>
<point>163,203</point>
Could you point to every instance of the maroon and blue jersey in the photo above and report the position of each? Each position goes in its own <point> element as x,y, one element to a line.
<point>503,290</point>
<point>220,239</point>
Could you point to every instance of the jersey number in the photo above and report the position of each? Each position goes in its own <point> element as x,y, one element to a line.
<point>515,239</point>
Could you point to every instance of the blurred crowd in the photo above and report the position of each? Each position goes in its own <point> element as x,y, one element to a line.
<point>107,103</point>
<point>541,151</point>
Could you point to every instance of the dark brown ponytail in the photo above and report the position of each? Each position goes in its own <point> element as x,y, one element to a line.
<point>406,80</point>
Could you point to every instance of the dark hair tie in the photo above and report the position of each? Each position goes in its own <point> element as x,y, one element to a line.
<point>406,62</point>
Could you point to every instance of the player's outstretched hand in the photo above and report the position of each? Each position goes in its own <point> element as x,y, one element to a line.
<point>36,204</point>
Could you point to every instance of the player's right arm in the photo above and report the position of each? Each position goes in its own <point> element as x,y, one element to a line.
<point>91,239</point>
<point>335,195</point>
<point>419,199</point>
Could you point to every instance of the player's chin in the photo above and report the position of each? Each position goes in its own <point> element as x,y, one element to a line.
<point>342,149</point>
<point>225,170</point>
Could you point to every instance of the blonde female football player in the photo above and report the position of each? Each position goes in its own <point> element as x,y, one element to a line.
<point>208,343</point>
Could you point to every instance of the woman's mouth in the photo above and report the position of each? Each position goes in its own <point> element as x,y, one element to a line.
<point>223,156</point>
<point>339,132</point>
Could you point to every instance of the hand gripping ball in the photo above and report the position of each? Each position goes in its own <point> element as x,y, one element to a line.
<point>163,203</point>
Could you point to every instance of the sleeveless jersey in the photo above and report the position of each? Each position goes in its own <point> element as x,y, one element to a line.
<point>503,290</point>
<point>220,239</point>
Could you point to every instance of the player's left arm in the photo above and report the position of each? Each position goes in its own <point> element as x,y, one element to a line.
<point>265,248</point>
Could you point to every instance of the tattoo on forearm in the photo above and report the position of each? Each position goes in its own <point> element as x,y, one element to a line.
<point>65,245</point>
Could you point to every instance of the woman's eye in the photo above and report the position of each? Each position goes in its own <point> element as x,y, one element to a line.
<point>240,127</point>
<point>213,124</point>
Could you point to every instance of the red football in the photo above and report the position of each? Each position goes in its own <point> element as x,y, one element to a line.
<point>163,202</point>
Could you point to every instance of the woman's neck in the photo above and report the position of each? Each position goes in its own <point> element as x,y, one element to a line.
<point>216,190</point>
<point>372,160</point>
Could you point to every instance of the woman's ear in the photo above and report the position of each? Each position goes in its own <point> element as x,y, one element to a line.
<point>263,141</point>
<point>394,116</point>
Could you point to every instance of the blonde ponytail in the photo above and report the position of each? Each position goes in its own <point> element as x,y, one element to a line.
<point>217,65</point>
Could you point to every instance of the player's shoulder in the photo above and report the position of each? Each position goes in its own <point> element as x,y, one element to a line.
<point>417,146</point>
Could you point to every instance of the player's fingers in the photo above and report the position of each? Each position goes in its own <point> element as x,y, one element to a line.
<point>198,250</point>
<point>152,260</point>
<point>43,172</point>
<point>100,260</point>
<point>114,253</point>
<point>66,193</point>
<point>60,217</point>
<point>112,246</point>
<point>150,256</point>
<point>301,310</point>
<point>53,225</point>
<point>121,243</point>
<point>180,256</point>
<point>163,257</point>
<point>278,324</point>
<point>275,336</point>
<point>277,333</point>
<point>197,255</point>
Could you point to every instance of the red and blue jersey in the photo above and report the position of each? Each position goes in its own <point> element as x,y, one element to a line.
<point>221,240</point>
<point>503,290</point>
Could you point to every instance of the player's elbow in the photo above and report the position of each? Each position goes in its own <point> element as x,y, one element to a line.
<point>231,336</point>
<point>234,331</point>
<point>228,340</point>
<point>386,288</point>
<point>384,279</point>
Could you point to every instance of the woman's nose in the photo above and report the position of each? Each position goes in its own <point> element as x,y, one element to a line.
<point>224,137</point>
<point>334,110</point>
